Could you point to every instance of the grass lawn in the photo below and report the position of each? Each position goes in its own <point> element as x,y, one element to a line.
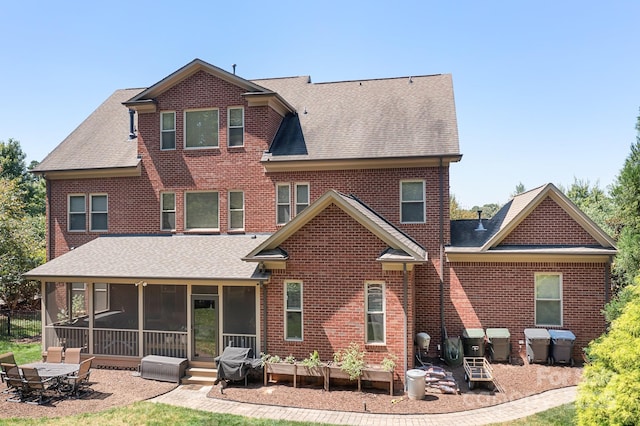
<point>563,415</point>
<point>24,353</point>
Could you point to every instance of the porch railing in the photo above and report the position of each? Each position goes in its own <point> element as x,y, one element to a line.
<point>241,341</point>
<point>165,343</point>
<point>116,342</point>
<point>70,337</point>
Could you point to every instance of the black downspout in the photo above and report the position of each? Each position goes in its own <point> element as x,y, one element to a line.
<point>405,302</point>
<point>443,329</point>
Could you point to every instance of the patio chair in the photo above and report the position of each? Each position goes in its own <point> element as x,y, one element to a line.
<point>37,388</point>
<point>72,355</point>
<point>54,353</point>
<point>6,358</point>
<point>14,381</point>
<point>77,385</point>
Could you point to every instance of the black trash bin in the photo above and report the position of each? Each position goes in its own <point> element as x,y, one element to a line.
<point>537,344</point>
<point>499,344</point>
<point>562,346</point>
<point>473,340</point>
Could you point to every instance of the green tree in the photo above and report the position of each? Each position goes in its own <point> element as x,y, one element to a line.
<point>594,202</point>
<point>520,188</point>
<point>626,223</point>
<point>456,212</point>
<point>13,167</point>
<point>608,393</point>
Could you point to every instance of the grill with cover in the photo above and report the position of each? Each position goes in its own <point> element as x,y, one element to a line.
<point>235,363</point>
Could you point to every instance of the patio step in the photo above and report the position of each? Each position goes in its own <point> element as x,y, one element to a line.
<point>199,376</point>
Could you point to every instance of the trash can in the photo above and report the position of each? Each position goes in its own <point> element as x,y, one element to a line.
<point>537,344</point>
<point>499,344</point>
<point>562,346</point>
<point>416,383</point>
<point>473,339</point>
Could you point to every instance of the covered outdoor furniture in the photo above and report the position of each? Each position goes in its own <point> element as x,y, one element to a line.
<point>77,385</point>
<point>235,363</point>
<point>37,389</point>
<point>72,355</point>
<point>54,354</point>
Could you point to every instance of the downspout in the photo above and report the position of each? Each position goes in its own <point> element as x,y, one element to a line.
<point>264,312</point>
<point>443,329</point>
<point>405,290</point>
<point>607,280</point>
<point>50,232</point>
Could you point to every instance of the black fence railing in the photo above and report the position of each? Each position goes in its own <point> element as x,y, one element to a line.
<point>20,324</point>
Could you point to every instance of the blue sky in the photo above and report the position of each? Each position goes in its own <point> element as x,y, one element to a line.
<point>546,91</point>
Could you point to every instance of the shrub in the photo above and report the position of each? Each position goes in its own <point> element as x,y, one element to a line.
<point>351,360</point>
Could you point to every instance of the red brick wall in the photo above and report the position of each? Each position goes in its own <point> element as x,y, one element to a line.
<point>549,224</point>
<point>502,295</point>
<point>333,256</point>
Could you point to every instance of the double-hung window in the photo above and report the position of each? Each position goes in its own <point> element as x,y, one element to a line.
<point>283,203</point>
<point>235,120</point>
<point>168,208</point>
<point>201,210</point>
<point>548,299</point>
<point>412,201</point>
<point>236,210</point>
<point>375,312</point>
<point>99,212</point>
<point>77,213</point>
<point>167,130</point>
<point>201,128</point>
<point>302,197</point>
<point>293,310</point>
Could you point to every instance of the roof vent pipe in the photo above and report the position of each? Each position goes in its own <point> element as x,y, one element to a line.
<point>480,225</point>
<point>234,68</point>
<point>132,130</point>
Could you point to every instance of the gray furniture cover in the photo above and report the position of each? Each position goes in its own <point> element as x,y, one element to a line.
<point>235,363</point>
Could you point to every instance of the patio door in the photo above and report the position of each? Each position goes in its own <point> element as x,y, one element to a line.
<point>204,321</point>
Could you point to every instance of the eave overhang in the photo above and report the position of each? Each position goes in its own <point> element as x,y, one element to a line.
<point>575,255</point>
<point>270,99</point>
<point>133,171</point>
<point>257,277</point>
<point>294,163</point>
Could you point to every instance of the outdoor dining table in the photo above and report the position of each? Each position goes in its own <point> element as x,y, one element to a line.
<point>53,369</point>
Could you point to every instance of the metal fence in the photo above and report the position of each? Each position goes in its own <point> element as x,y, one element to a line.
<point>20,324</point>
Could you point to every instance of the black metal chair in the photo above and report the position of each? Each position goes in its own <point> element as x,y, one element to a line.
<point>38,390</point>
<point>77,385</point>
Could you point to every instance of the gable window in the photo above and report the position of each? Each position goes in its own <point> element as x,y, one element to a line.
<point>412,203</point>
<point>236,126</point>
<point>236,210</point>
<point>201,128</point>
<point>548,299</point>
<point>201,210</point>
<point>283,203</point>
<point>168,208</point>
<point>77,213</point>
<point>167,130</point>
<point>99,212</point>
<point>302,197</point>
<point>375,312</point>
<point>293,310</point>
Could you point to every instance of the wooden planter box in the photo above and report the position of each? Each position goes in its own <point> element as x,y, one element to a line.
<point>304,371</point>
<point>282,368</point>
<point>335,372</point>
<point>375,373</point>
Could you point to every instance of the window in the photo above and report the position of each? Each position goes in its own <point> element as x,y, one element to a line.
<point>302,197</point>
<point>236,126</point>
<point>168,208</point>
<point>100,297</point>
<point>201,128</point>
<point>283,203</point>
<point>412,202</point>
<point>99,220</point>
<point>375,311</point>
<point>548,299</point>
<point>77,213</point>
<point>236,210</point>
<point>167,130</point>
<point>293,310</point>
<point>201,210</point>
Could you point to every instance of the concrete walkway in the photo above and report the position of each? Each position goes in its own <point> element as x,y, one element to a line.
<point>195,397</point>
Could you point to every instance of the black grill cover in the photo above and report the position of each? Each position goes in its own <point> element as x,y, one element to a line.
<point>235,363</point>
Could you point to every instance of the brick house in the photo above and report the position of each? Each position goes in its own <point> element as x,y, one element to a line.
<point>289,216</point>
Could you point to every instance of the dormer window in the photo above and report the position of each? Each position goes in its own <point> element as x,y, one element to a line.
<point>201,129</point>
<point>236,127</point>
<point>168,130</point>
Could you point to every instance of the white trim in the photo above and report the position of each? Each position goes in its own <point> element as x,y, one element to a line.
<point>91,212</point>
<point>535,299</point>
<point>162,131</point>
<point>278,204</point>
<point>84,212</point>
<point>163,210</point>
<point>230,210</point>
<point>424,200</point>
<point>229,127</point>
<point>184,129</point>
<point>296,203</point>
<point>287,310</point>
<point>367,312</point>
<point>186,193</point>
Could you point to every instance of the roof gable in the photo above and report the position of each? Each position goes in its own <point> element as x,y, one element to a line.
<point>401,247</point>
